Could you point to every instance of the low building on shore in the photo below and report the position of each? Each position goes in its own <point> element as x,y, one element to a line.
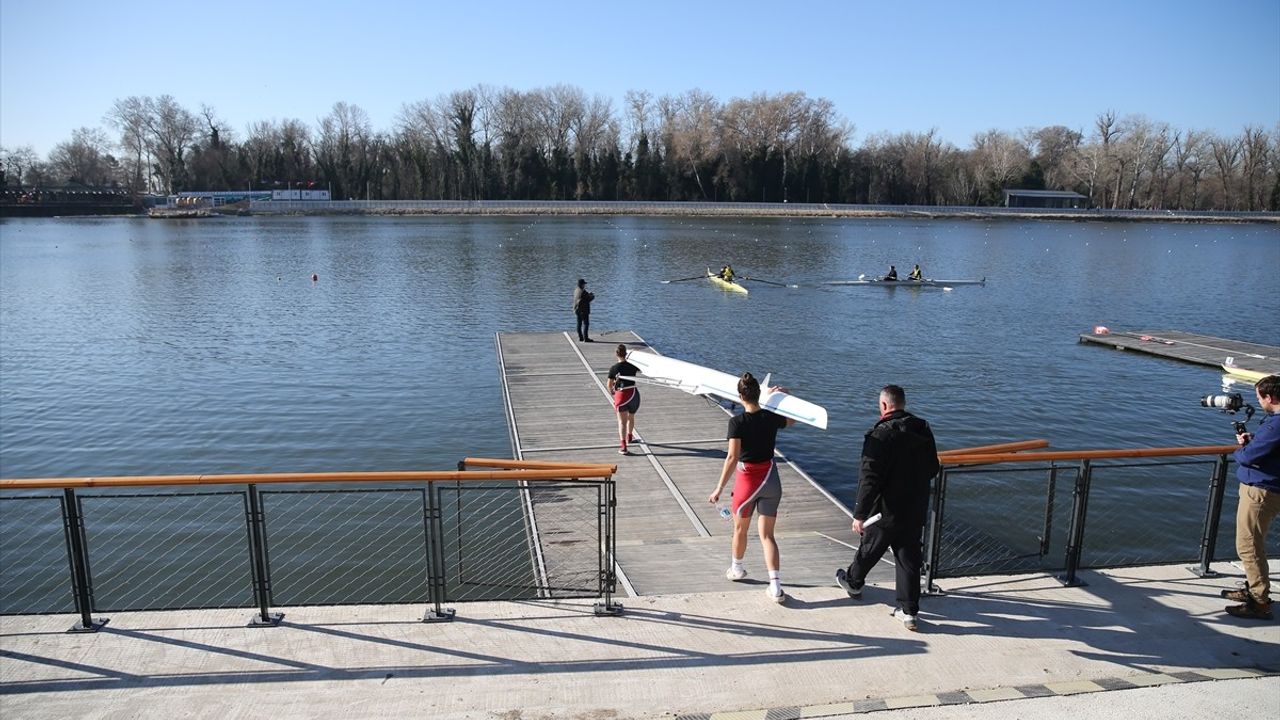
<point>1015,198</point>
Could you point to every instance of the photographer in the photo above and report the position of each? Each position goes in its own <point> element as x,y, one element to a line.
<point>1258,469</point>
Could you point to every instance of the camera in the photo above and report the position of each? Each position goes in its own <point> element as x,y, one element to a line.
<point>1230,403</point>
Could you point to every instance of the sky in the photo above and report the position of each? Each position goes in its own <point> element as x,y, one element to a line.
<point>959,67</point>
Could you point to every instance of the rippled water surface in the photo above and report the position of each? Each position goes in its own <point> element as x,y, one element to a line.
<point>130,346</point>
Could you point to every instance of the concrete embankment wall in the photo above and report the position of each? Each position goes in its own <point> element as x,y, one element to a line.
<point>730,209</point>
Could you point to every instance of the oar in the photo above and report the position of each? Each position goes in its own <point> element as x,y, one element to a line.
<point>695,277</point>
<point>769,282</point>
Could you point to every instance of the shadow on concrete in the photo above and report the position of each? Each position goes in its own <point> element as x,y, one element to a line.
<point>632,655</point>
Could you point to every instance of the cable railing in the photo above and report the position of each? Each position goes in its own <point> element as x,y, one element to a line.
<point>999,510</point>
<point>492,530</point>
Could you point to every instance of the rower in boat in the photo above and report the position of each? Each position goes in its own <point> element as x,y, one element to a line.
<point>892,276</point>
<point>726,273</point>
<point>916,274</point>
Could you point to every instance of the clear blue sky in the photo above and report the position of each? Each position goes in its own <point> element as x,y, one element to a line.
<point>961,67</point>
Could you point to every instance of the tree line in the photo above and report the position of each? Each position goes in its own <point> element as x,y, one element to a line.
<point>559,143</point>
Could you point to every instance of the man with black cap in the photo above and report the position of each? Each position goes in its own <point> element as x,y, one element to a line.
<point>582,308</point>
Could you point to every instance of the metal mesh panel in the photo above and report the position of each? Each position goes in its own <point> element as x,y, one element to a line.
<point>163,551</point>
<point>505,542</point>
<point>1172,495</point>
<point>487,542</point>
<point>35,576</point>
<point>344,547</point>
<point>996,519</point>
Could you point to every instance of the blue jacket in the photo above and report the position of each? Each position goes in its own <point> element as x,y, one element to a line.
<point>1259,461</point>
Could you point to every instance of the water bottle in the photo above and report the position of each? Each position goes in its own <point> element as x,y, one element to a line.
<point>725,513</point>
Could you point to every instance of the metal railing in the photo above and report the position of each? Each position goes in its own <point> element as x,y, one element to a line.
<point>1045,500</point>
<point>494,529</point>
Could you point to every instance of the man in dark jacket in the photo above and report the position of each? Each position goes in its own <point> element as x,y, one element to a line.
<point>582,308</point>
<point>899,458</point>
<point>1258,468</point>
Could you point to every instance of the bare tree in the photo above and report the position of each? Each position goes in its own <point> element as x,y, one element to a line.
<point>1226,156</point>
<point>129,117</point>
<point>171,130</point>
<point>18,162</point>
<point>84,158</point>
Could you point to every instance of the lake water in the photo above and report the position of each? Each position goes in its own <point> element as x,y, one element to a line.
<point>136,347</point>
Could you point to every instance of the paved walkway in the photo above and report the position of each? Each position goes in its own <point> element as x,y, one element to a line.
<point>988,639</point>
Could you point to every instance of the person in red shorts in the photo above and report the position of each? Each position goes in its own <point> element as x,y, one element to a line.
<point>626,397</point>
<point>756,486</point>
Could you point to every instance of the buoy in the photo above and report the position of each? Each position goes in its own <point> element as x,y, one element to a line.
<point>1101,330</point>
<point>315,277</point>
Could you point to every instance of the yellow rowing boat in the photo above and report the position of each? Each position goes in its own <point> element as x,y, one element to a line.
<point>725,284</point>
<point>1252,376</point>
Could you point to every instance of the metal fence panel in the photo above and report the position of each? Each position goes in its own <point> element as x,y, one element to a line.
<point>995,520</point>
<point>501,541</point>
<point>1172,497</point>
<point>168,551</point>
<point>346,547</point>
<point>35,576</point>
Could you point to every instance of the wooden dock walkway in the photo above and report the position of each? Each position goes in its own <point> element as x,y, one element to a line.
<point>1192,348</point>
<point>669,538</point>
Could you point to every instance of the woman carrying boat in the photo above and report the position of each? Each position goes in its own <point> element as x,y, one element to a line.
<point>626,396</point>
<point>756,486</point>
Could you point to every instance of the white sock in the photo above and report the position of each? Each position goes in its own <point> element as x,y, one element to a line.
<point>775,579</point>
<point>737,563</point>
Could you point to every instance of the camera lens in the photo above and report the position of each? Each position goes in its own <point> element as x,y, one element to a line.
<point>1230,402</point>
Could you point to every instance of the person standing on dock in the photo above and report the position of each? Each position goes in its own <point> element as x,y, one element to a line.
<point>1258,469</point>
<point>626,396</point>
<point>899,458</point>
<point>756,485</point>
<point>582,308</point>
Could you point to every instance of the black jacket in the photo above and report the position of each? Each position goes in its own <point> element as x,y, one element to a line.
<point>899,458</point>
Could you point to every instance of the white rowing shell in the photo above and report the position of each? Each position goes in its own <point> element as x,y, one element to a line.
<point>699,380</point>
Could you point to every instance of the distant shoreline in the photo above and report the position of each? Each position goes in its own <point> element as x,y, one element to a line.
<point>708,209</point>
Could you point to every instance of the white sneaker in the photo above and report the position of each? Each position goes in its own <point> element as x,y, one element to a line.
<point>735,573</point>
<point>908,621</point>
<point>778,597</point>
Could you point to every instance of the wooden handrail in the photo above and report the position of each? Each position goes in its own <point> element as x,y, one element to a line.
<point>993,458</point>
<point>997,448</point>
<point>533,464</point>
<point>567,472</point>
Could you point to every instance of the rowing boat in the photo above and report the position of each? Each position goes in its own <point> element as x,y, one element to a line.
<point>927,282</point>
<point>1239,373</point>
<point>699,380</point>
<point>725,284</point>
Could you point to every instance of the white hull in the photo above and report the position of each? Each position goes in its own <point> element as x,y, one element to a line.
<point>929,282</point>
<point>699,380</point>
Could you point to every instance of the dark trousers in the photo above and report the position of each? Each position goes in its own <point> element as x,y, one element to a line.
<point>584,324</point>
<point>908,554</point>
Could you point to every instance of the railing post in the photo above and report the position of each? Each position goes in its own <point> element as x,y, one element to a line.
<point>435,558</point>
<point>78,554</point>
<point>608,577</point>
<point>1075,536</point>
<point>1050,494</point>
<point>261,568</point>
<point>933,546</point>
<point>1212,517</point>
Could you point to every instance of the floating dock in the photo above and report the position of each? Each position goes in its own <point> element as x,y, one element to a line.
<point>669,538</point>
<point>1192,348</point>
